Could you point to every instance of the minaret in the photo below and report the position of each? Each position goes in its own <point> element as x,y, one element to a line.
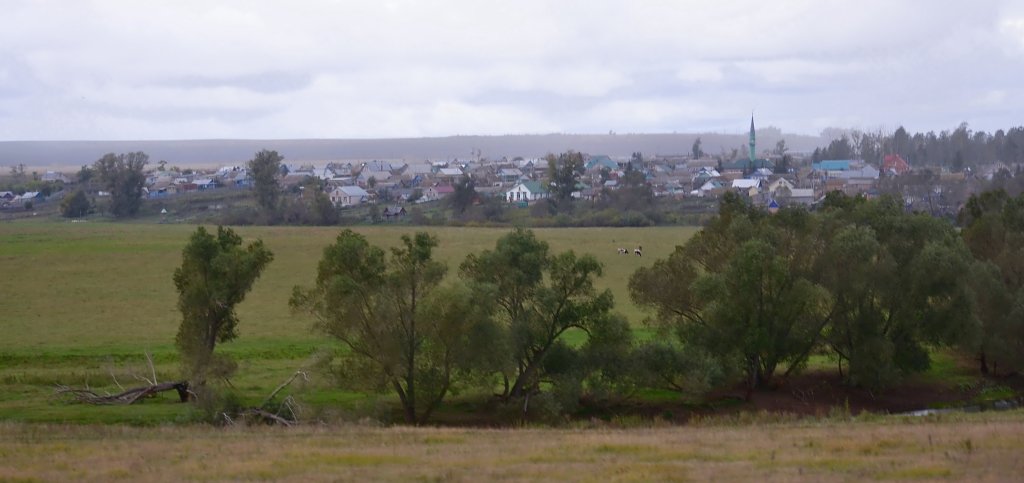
<point>752,143</point>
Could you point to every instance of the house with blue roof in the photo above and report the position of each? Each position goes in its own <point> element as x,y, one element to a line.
<point>599,162</point>
<point>832,165</point>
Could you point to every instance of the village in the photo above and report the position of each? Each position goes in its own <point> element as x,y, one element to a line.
<point>770,179</point>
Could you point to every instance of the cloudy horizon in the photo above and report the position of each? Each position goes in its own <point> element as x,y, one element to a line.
<point>109,70</point>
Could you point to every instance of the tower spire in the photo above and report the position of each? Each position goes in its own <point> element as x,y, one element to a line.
<point>752,140</point>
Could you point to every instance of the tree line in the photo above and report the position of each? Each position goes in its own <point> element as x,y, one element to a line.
<point>749,299</point>
<point>957,149</point>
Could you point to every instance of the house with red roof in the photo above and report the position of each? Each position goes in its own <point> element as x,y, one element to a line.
<point>894,164</point>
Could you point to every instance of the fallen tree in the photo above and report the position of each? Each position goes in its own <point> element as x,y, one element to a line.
<point>129,396</point>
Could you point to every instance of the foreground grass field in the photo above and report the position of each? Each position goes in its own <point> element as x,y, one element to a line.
<point>82,302</point>
<point>981,447</point>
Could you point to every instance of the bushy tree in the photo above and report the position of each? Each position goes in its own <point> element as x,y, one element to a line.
<point>993,229</point>
<point>215,275</point>
<point>463,196</point>
<point>871,283</point>
<point>564,172</point>
<point>123,176</point>
<point>541,297</point>
<point>75,206</point>
<point>898,287</point>
<point>742,290</point>
<point>404,332</point>
<point>264,168</point>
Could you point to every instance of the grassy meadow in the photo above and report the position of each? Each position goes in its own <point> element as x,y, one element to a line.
<point>975,447</point>
<point>82,302</point>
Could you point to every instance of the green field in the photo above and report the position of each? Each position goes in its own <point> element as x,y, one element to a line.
<point>80,301</point>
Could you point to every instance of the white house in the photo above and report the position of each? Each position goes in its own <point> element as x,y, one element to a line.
<point>348,196</point>
<point>749,186</point>
<point>779,184</point>
<point>526,191</point>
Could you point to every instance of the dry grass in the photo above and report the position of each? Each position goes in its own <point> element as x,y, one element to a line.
<point>976,447</point>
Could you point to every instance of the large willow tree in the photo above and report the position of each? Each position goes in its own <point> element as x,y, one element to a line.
<point>216,273</point>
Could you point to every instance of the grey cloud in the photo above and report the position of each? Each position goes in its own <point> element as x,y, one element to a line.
<point>269,82</point>
<point>408,68</point>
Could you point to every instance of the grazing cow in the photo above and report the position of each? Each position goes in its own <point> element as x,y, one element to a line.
<point>638,251</point>
<point>622,251</point>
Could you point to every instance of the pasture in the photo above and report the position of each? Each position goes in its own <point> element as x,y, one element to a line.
<point>82,302</point>
<point>978,447</point>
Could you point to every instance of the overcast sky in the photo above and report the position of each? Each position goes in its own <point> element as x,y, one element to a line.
<point>182,69</point>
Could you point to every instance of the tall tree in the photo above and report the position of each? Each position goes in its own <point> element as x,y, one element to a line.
<point>540,298</point>
<point>74,206</point>
<point>780,148</point>
<point>403,332</point>
<point>123,176</point>
<point>994,232</point>
<point>464,195</point>
<point>215,275</point>
<point>742,290</point>
<point>898,286</point>
<point>264,168</point>
<point>564,172</point>
<point>696,150</point>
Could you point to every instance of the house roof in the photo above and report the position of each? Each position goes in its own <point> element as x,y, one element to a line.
<point>601,161</point>
<point>534,186</point>
<point>746,183</point>
<point>444,188</point>
<point>352,191</point>
<point>868,172</point>
<point>801,193</point>
<point>832,165</point>
<point>419,168</point>
<point>450,172</point>
<point>895,163</point>
<point>711,185</point>
<point>747,164</point>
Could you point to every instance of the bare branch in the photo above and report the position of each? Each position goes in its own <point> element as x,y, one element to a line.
<point>283,385</point>
<point>152,369</point>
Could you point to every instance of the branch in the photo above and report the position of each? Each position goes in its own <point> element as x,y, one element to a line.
<point>271,417</point>
<point>283,385</point>
<point>152,369</point>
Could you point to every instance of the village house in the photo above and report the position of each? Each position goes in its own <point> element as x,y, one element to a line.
<point>54,176</point>
<point>393,212</point>
<point>510,175</point>
<point>434,193</point>
<point>449,175</point>
<point>895,165</point>
<point>527,191</point>
<point>803,196</point>
<point>776,185</point>
<point>749,187</point>
<point>348,196</point>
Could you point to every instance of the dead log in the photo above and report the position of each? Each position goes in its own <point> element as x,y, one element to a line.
<point>268,417</point>
<point>130,396</point>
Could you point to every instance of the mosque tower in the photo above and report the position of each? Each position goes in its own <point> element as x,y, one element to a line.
<point>752,141</point>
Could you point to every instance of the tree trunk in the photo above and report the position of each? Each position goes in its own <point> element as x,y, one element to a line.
<point>983,362</point>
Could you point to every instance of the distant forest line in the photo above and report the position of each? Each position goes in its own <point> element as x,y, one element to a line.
<point>72,154</point>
